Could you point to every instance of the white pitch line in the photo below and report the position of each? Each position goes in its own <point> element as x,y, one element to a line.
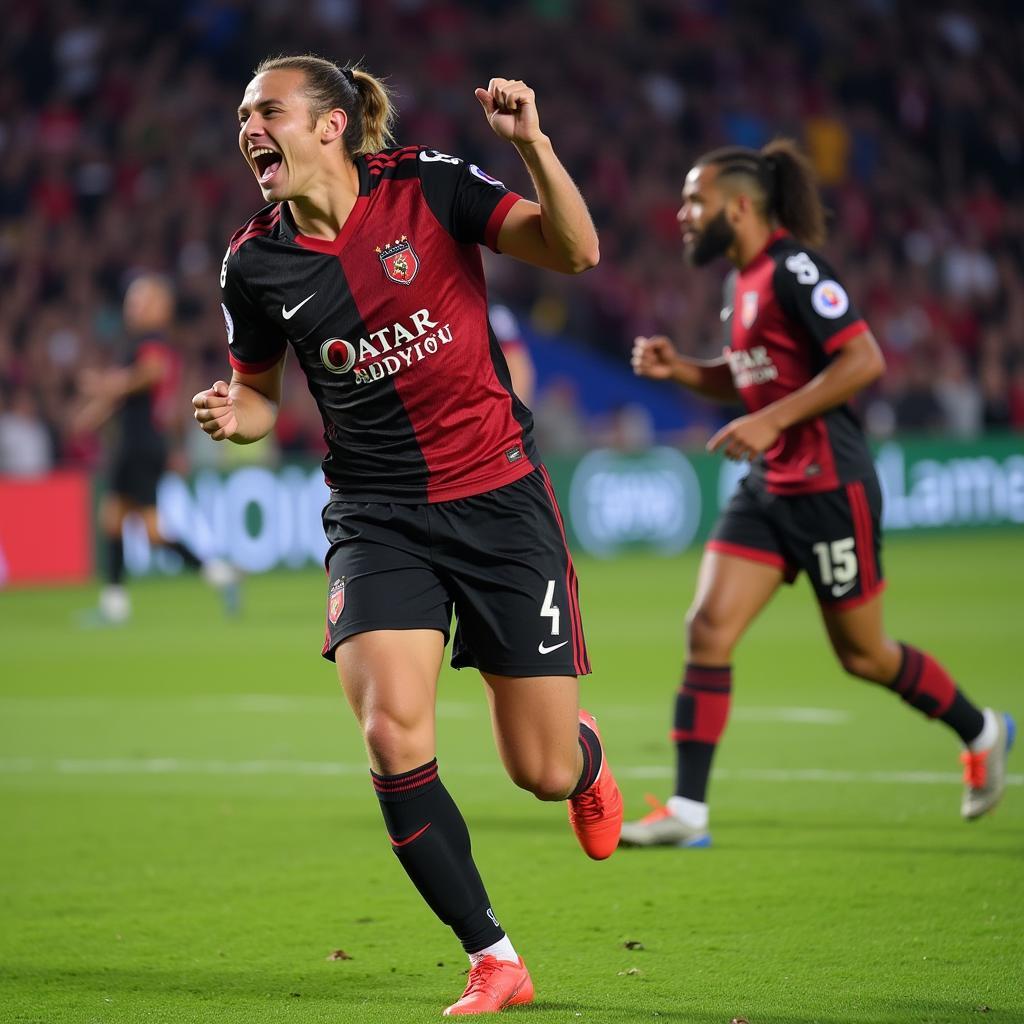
<point>180,766</point>
<point>279,704</point>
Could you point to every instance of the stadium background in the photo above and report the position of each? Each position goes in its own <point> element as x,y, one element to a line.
<point>189,827</point>
<point>118,134</point>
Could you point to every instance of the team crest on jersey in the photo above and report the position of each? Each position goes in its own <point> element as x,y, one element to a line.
<point>748,309</point>
<point>399,260</point>
<point>336,600</point>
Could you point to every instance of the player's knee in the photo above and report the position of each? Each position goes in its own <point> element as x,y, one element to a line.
<point>707,636</point>
<point>863,664</point>
<point>392,740</point>
<point>544,781</point>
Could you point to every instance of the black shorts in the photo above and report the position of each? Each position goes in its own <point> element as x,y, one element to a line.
<point>834,536</point>
<point>498,559</point>
<point>135,475</point>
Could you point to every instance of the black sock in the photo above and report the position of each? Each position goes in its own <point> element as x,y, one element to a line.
<point>964,718</point>
<point>430,838</point>
<point>693,769</point>
<point>115,560</point>
<point>188,556</point>
<point>593,758</point>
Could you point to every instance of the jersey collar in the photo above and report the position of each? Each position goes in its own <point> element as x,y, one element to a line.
<point>772,239</point>
<point>334,245</point>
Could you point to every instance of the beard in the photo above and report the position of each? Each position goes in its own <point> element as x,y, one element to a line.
<point>712,242</point>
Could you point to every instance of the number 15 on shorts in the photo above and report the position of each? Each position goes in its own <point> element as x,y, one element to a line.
<point>550,610</point>
<point>837,565</point>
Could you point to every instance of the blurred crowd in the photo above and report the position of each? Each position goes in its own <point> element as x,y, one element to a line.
<point>118,135</point>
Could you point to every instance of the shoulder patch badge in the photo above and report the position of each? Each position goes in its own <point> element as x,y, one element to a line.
<point>830,300</point>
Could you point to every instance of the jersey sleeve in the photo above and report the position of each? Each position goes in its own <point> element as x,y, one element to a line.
<point>468,202</point>
<point>812,296</point>
<point>255,344</point>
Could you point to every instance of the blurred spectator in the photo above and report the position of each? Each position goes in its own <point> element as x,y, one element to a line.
<point>917,407</point>
<point>25,445</point>
<point>995,396</point>
<point>559,425</point>
<point>958,396</point>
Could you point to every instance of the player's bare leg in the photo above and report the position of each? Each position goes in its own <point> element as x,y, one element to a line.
<point>390,680</point>
<point>114,604</point>
<point>536,729</point>
<point>553,749</point>
<point>731,591</point>
<point>865,650</point>
<point>219,573</point>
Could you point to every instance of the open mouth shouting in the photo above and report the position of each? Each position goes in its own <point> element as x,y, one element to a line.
<point>267,162</point>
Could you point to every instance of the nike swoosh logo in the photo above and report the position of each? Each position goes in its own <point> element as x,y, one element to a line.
<point>542,649</point>
<point>409,839</point>
<point>838,591</point>
<point>289,313</point>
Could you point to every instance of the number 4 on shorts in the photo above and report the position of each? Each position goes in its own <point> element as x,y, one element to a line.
<point>549,609</point>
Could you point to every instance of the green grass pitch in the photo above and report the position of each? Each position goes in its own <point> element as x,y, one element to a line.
<point>189,830</point>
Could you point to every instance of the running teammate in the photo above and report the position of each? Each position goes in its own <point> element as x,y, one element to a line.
<point>139,396</point>
<point>365,263</point>
<point>796,350</point>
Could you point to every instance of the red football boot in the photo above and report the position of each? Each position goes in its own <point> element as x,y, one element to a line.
<point>493,984</point>
<point>596,814</point>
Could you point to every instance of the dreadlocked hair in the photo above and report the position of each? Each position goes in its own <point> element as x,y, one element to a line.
<point>783,184</point>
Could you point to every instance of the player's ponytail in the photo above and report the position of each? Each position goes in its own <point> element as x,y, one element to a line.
<point>794,200</point>
<point>782,183</point>
<point>365,99</point>
<point>378,115</point>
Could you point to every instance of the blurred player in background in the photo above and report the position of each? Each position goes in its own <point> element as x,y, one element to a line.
<point>520,363</point>
<point>140,395</point>
<point>366,263</point>
<point>796,351</point>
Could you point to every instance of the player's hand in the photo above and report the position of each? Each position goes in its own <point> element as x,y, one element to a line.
<point>746,437</point>
<point>215,411</point>
<point>654,357</point>
<point>511,109</point>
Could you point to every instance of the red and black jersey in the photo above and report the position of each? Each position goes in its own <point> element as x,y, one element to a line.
<point>785,315</point>
<point>145,416</point>
<point>389,323</point>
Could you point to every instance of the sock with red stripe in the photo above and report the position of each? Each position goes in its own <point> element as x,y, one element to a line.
<point>924,684</point>
<point>702,710</point>
<point>430,838</point>
<point>593,757</point>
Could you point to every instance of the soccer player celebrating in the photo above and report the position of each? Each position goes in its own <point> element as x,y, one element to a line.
<point>139,396</point>
<point>796,350</point>
<point>366,263</point>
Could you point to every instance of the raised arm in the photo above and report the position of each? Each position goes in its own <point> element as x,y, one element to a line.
<point>556,232</point>
<point>244,410</point>
<point>658,359</point>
